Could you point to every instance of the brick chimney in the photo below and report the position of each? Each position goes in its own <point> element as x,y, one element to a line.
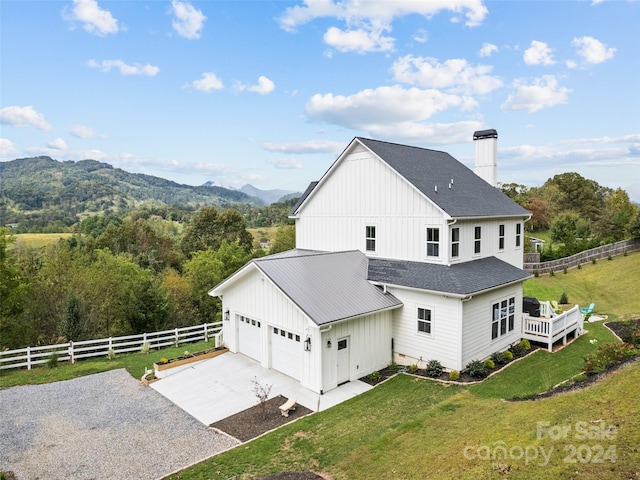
<point>486,166</point>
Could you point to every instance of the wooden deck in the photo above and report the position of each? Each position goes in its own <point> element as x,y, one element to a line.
<point>550,327</point>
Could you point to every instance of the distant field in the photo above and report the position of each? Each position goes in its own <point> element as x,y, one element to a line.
<point>266,232</point>
<point>39,240</point>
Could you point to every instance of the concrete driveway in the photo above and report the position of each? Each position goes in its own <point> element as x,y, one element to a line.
<point>217,388</point>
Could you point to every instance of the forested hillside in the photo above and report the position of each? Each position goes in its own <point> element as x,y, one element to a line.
<point>43,194</point>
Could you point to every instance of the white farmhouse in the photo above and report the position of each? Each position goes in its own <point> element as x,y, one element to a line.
<point>403,254</point>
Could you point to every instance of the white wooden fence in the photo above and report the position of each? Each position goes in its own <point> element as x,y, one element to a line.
<point>72,351</point>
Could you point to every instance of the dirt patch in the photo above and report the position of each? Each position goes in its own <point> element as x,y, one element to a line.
<point>255,421</point>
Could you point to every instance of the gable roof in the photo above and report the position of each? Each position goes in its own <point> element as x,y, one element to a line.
<point>460,279</point>
<point>460,192</point>
<point>327,286</point>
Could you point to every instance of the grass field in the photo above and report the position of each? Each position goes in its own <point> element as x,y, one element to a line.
<point>39,240</point>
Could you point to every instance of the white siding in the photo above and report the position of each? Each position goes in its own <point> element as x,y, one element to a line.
<point>476,338</point>
<point>361,191</point>
<point>370,347</point>
<point>444,342</point>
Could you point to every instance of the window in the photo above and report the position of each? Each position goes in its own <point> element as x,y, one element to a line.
<point>370,235</point>
<point>477,238</point>
<point>503,317</point>
<point>518,233</point>
<point>433,242</point>
<point>455,242</point>
<point>424,321</point>
<point>501,237</point>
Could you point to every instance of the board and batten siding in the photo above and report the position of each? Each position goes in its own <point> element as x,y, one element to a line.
<point>369,346</point>
<point>443,344</point>
<point>476,337</point>
<point>362,190</point>
<point>490,229</point>
<point>256,297</point>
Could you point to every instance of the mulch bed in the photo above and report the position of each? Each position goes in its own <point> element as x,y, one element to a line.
<point>619,327</point>
<point>255,421</point>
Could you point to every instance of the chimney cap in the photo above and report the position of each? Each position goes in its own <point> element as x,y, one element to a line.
<point>492,133</point>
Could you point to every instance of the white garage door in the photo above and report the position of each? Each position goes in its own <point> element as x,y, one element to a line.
<point>285,352</point>
<point>249,337</point>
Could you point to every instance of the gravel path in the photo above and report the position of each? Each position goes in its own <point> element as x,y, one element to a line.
<point>103,426</point>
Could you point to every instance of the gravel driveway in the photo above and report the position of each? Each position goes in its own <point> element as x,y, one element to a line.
<point>102,426</point>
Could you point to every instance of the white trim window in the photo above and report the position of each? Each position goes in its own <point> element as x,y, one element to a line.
<point>518,234</point>
<point>501,236</point>
<point>477,240</point>
<point>424,321</point>
<point>455,242</point>
<point>433,242</point>
<point>503,316</point>
<point>370,238</point>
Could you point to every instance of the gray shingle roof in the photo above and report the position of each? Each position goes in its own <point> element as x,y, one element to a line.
<point>462,279</point>
<point>328,287</point>
<point>469,195</point>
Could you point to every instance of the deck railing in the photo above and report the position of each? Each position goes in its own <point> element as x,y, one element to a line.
<point>549,328</point>
<point>72,351</point>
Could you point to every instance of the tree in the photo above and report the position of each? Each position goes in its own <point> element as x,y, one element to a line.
<point>614,224</point>
<point>14,291</point>
<point>203,272</point>
<point>208,229</point>
<point>285,239</point>
<point>72,328</point>
<point>539,214</point>
<point>572,192</point>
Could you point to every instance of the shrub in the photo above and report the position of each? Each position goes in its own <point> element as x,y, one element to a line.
<point>609,257</point>
<point>375,376</point>
<point>631,335</point>
<point>594,261</point>
<point>413,368</point>
<point>552,273</point>
<point>476,369</point>
<point>498,358</point>
<point>454,375</point>
<point>605,356</point>
<point>490,364</point>
<point>111,354</point>
<point>517,350</point>
<point>434,368</point>
<point>524,343</point>
<point>145,348</point>
<point>508,355</point>
<point>563,298</point>
<point>579,266</point>
<point>536,274</point>
<point>393,366</point>
<point>52,361</point>
<point>564,270</point>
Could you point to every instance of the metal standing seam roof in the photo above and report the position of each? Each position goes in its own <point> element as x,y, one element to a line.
<point>327,286</point>
<point>462,279</point>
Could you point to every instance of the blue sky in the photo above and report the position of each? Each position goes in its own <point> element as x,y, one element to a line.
<point>270,93</point>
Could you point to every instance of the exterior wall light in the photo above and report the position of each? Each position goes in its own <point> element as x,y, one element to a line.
<point>328,343</point>
<point>227,315</point>
<point>307,344</point>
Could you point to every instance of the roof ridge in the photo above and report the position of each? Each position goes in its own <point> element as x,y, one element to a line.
<point>400,144</point>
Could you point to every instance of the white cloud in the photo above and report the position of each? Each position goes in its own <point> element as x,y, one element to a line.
<point>24,117</point>
<point>285,163</point>
<point>125,69</point>
<point>366,22</point>
<point>360,40</point>
<point>632,138</point>
<point>57,144</point>
<point>421,36</point>
<point>311,146</point>
<point>95,19</point>
<point>428,134</point>
<point>539,53</point>
<point>543,92</point>
<point>263,87</point>
<point>208,82</point>
<point>455,75</point>
<point>7,148</point>
<point>593,51</point>
<point>368,109</point>
<point>488,49</point>
<point>188,21</point>
<point>378,12</point>
<point>81,131</point>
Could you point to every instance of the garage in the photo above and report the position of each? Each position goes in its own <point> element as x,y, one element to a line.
<point>286,350</point>
<point>250,337</point>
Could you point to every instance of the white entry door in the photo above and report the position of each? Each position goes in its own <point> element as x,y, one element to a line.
<point>343,360</point>
<point>286,351</point>
<point>250,337</point>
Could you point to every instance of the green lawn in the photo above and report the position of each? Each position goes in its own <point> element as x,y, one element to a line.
<point>39,240</point>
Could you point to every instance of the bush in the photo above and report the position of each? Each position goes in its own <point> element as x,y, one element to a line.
<point>563,298</point>
<point>605,356</point>
<point>552,273</point>
<point>52,361</point>
<point>508,355</point>
<point>517,350</point>
<point>392,366</point>
<point>454,375</point>
<point>375,376</point>
<point>111,354</point>
<point>524,343</point>
<point>498,358</point>
<point>476,369</point>
<point>434,368</point>
<point>145,348</point>
<point>631,335</point>
<point>413,368</point>
<point>490,364</point>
